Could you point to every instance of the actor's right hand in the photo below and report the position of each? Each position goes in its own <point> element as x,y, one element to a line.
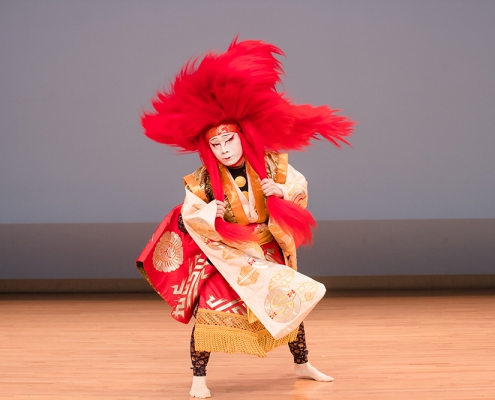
<point>220,208</point>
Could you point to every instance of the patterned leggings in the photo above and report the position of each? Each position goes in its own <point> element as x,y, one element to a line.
<point>298,349</point>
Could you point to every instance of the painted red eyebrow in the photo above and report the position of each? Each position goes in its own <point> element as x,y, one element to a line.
<point>222,136</point>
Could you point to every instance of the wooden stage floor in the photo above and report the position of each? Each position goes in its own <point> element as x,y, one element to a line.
<point>381,345</point>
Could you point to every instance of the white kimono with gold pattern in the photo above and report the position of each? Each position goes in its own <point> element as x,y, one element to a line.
<point>277,297</point>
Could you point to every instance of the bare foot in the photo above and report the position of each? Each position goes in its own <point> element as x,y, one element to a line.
<point>198,388</point>
<point>308,371</point>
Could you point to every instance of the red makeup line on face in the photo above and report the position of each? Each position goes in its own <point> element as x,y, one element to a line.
<point>227,149</point>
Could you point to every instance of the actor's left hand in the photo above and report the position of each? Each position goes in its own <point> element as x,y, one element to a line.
<point>270,188</point>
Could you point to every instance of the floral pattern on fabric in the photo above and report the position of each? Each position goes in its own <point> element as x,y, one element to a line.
<point>298,347</point>
<point>199,359</point>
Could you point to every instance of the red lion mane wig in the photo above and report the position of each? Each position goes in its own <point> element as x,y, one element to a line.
<point>240,86</point>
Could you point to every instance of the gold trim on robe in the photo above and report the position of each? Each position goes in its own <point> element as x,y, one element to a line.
<point>193,182</point>
<point>281,171</point>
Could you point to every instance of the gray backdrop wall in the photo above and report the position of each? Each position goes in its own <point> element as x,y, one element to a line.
<point>81,188</point>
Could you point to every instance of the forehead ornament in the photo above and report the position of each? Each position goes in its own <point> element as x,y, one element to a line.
<point>222,128</point>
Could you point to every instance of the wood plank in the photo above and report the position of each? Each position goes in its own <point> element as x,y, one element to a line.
<point>380,345</point>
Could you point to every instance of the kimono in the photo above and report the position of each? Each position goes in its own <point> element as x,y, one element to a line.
<point>247,298</point>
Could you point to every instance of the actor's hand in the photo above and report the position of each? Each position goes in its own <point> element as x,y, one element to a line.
<point>270,188</point>
<point>220,208</point>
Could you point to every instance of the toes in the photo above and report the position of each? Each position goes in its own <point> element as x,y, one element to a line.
<point>200,394</point>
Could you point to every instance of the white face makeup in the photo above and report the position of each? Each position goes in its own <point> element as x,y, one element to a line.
<point>227,148</point>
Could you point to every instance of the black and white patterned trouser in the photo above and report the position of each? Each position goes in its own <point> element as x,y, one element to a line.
<point>199,359</point>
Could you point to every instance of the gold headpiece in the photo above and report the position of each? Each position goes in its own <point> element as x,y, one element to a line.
<point>222,128</point>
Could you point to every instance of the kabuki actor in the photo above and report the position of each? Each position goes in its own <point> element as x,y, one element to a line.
<point>227,255</point>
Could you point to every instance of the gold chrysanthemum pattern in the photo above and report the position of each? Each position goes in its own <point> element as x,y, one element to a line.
<point>168,254</point>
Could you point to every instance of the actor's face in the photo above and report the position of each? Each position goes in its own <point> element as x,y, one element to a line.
<point>227,148</point>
